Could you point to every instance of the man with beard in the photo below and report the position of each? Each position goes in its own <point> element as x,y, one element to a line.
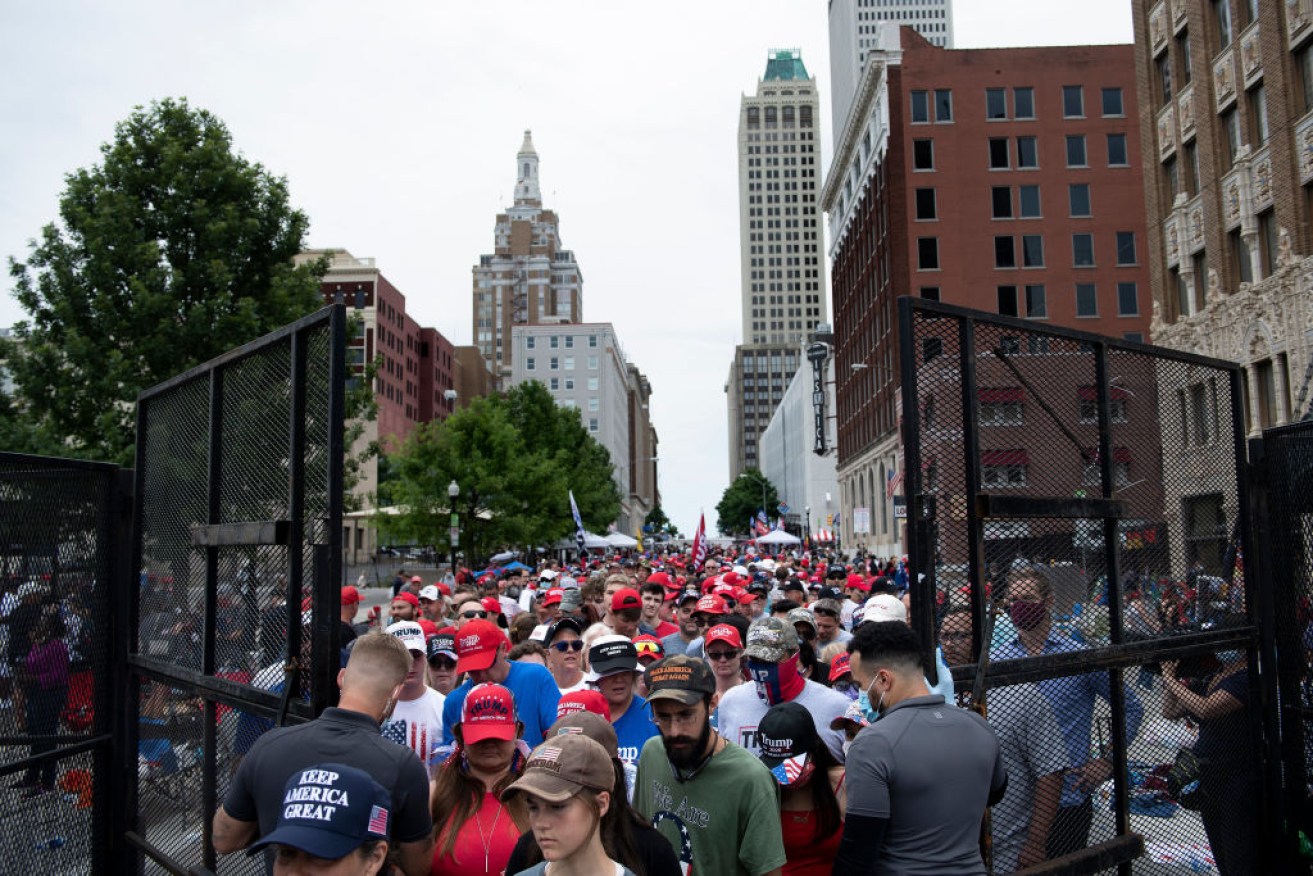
<point>714,801</point>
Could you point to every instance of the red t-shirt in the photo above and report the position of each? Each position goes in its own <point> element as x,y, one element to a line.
<point>666,628</point>
<point>492,825</point>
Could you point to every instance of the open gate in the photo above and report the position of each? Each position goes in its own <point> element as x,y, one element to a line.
<point>1104,482</point>
<point>237,551</point>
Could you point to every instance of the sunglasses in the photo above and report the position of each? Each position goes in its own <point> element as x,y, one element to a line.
<point>572,645</point>
<point>721,655</point>
<point>648,648</point>
<point>701,621</point>
<point>471,615</point>
<point>442,663</point>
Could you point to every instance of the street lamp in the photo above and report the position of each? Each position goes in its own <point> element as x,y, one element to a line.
<point>453,490</point>
<point>761,480</point>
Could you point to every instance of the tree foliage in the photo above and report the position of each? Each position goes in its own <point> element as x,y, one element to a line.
<point>658,523</point>
<point>170,251</point>
<point>515,457</point>
<point>742,499</point>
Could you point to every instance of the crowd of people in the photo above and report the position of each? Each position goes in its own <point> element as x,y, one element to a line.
<point>750,715</point>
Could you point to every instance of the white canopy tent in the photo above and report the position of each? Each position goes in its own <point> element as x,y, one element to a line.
<point>620,540</point>
<point>778,536</point>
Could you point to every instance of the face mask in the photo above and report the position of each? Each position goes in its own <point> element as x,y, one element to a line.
<point>864,703</point>
<point>1027,615</point>
<point>777,682</point>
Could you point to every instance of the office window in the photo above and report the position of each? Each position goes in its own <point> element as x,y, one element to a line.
<point>569,384</point>
<point>1023,103</point>
<point>1258,115</point>
<point>1231,129</point>
<point>923,154</point>
<point>920,107</point>
<point>1037,306</point>
<point>592,384</point>
<point>1191,162</point>
<point>554,363</point>
<point>1222,15</point>
<point>1240,256</point>
<point>1125,247</point>
<point>1087,300</point>
<point>569,363</point>
<point>1112,102</point>
<point>1029,197</point>
<point>927,253</point>
<point>592,341</point>
<point>592,363</point>
<point>1267,241</point>
<point>996,103</point>
<point>1128,300</point>
<point>1005,254</point>
<point>592,424</point>
<point>1027,153</point>
<point>1073,102</point>
<point>1078,195</point>
<point>1251,11</point>
<point>554,384</point>
<point>1032,251</point>
<point>1304,67</point>
<point>593,403</point>
<point>930,293</point>
<point>943,105</point>
<point>569,342</point>
<point>1082,250</point>
<point>554,342</point>
<point>1133,337</point>
<point>528,342</point>
<point>998,153</point>
<point>568,403</point>
<point>1076,150</point>
<point>1002,202</point>
<point>925,204</point>
<point>1164,70</point>
<point>1117,156</point>
<point>1183,53</point>
<point>530,363</point>
<point>1007,301</point>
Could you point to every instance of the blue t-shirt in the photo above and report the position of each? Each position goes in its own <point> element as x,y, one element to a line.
<point>536,695</point>
<point>634,728</point>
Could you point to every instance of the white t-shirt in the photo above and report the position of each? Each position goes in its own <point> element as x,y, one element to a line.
<point>417,724</point>
<point>581,684</point>
<point>741,710</point>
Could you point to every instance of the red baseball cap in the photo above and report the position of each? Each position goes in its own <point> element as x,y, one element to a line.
<point>626,598</point>
<point>476,645</point>
<point>487,713</point>
<point>660,578</point>
<point>587,700</point>
<point>428,626</point>
<point>415,579</point>
<point>491,604</point>
<point>649,647</point>
<point>350,595</point>
<point>407,596</point>
<point>710,604</point>
<point>444,589</point>
<point>553,596</point>
<point>723,633</point>
<point>746,595</point>
<point>858,581</point>
<point>839,667</point>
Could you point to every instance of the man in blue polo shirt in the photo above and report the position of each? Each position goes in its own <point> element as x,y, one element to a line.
<point>481,649</point>
<point>614,662</point>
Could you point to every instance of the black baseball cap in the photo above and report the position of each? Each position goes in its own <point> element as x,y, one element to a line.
<point>566,622</point>
<point>785,735</point>
<point>612,654</point>
<point>442,643</point>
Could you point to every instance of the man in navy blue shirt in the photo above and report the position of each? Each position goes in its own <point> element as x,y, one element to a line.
<point>614,662</point>
<point>481,649</point>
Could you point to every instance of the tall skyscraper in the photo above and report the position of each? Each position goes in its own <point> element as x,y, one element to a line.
<point>528,279</point>
<point>783,275</point>
<point>855,31</point>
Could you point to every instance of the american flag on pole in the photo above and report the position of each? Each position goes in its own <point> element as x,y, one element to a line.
<point>762,524</point>
<point>892,483</point>
<point>578,527</point>
<point>700,543</point>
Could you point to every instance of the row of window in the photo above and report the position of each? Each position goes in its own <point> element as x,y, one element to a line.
<point>1024,204</point>
<point>554,341</point>
<point>939,103</point>
<point>1034,297</point>
<point>1002,151</point>
<point>556,363</point>
<point>1032,251</point>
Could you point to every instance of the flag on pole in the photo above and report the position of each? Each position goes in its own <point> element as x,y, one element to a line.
<point>762,524</point>
<point>700,544</point>
<point>894,481</point>
<point>638,536</point>
<point>578,527</point>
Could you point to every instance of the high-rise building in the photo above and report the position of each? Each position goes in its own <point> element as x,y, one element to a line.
<point>1226,108</point>
<point>856,28</point>
<point>783,275</point>
<point>528,279</point>
<point>1019,193</point>
<point>585,370</point>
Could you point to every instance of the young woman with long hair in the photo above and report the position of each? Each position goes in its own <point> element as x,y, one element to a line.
<point>812,795</point>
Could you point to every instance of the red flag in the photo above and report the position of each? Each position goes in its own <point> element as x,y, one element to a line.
<point>700,543</point>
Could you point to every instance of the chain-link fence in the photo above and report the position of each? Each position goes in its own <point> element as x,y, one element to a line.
<point>1076,510</point>
<point>238,550</point>
<point>57,529</point>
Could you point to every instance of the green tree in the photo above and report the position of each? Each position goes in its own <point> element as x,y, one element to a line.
<point>742,499</point>
<point>659,523</point>
<point>170,251</point>
<point>515,458</point>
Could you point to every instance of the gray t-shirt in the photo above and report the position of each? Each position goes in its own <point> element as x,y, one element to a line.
<point>928,768</point>
<point>674,644</point>
<point>1031,744</point>
<point>741,710</point>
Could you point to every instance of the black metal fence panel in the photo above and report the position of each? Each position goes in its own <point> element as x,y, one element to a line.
<point>1077,509</point>
<point>238,547</point>
<point>58,528</point>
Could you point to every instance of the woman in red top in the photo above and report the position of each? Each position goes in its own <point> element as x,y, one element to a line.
<point>475,832</point>
<point>811,789</point>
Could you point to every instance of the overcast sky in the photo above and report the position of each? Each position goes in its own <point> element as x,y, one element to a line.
<point>396,125</point>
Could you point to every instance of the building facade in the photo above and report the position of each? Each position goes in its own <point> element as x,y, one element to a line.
<point>782,269</point>
<point>1226,106</point>
<point>529,278</point>
<point>585,369</point>
<point>1005,180</point>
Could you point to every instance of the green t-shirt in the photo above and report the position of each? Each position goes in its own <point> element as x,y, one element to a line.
<point>725,820</point>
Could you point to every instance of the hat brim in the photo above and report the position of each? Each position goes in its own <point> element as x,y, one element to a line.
<point>599,672</point>
<point>678,695</point>
<point>311,840</point>
<point>772,762</point>
<point>449,654</point>
<point>544,785</point>
<point>472,733</point>
<point>477,661</point>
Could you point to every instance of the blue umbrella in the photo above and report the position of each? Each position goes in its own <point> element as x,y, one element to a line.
<point>516,566</point>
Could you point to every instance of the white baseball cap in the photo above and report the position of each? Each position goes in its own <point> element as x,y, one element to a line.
<point>884,607</point>
<point>431,593</point>
<point>411,635</point>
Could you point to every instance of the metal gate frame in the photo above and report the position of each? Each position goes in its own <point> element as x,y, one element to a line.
<point>1119,654</point>
<point>211,535</point>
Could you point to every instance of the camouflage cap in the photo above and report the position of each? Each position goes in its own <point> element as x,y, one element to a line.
<point>771,639</point>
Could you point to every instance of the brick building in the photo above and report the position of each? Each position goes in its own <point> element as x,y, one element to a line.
<point>1005,180</point>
